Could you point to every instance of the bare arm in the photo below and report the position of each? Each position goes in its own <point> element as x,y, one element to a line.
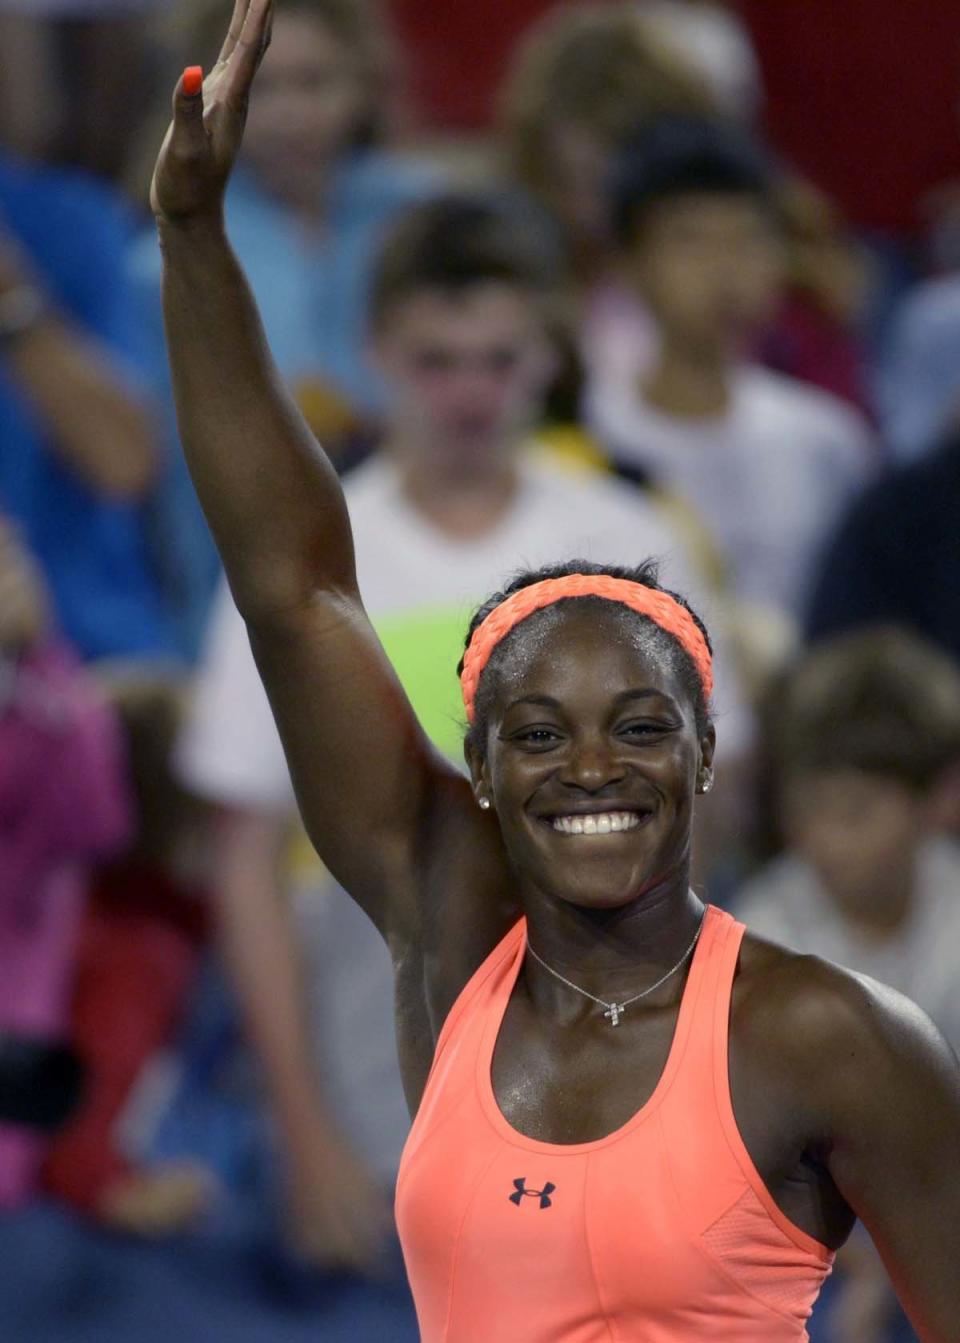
<point>338,1214</point>
<point>96,424</point>
<point>892,1107</point>
<point>366,777</point>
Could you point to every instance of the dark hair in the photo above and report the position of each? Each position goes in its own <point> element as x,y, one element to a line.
<point>880,700</point>
<point>679,156</point>
<point>459,240</point>
<point>645,574</point>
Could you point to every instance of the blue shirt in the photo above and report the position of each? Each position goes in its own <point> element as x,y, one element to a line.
<point>920,380</point>
<point>312,293</point>
<point>93,550</point>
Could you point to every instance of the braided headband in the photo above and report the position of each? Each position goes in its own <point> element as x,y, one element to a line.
<point>660,607</point>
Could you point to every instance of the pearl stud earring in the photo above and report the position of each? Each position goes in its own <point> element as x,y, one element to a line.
<point>483,803</point>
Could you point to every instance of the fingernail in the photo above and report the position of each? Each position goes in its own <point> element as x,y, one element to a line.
<point>193,80</point>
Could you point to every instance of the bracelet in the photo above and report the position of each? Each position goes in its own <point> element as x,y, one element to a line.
<point>20,309</point>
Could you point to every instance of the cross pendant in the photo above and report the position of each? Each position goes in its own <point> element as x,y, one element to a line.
<point>614,1012</point>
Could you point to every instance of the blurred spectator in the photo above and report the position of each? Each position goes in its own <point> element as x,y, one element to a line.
<point>716,41</point>
<point>895,556</point>
<point>582,79</point>
<point>865,732</point>
<point>75,78</point>
<point>63,804</point>
<point>454,500</point>
<point>136,963</point>
<point>77,456</point>
<point>814,334</point>
<point>306,210</point>
<point>458,54</point>
<point>919,390</point>
<point>765,461</point>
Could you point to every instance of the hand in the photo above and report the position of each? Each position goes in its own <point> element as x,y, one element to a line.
<point>155,1203</point>
<point>339,1215</point>
<point>203,140</point>
<point>23,598</point>
<point>15,269</point>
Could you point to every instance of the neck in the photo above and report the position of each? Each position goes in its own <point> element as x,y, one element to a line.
<point>306,198</point>
<point>887,910</point>
<point>463,501</point>
<point>688,381</point>
<point>612,953</point>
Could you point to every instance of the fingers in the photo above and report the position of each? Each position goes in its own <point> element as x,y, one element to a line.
<point>240,8</point>
<point>188,130</point>
<point>250,46</point>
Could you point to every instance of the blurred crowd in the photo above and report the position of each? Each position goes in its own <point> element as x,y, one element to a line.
<point>608,278</point>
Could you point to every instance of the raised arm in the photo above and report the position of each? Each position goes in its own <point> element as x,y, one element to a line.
<point>366,777</point>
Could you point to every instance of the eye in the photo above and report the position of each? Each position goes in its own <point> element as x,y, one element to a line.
<point>535,738</point>
<point>645,727</point>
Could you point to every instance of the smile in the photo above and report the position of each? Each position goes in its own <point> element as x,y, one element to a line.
<point>599,823</point>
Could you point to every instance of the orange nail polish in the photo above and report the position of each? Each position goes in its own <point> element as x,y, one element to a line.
<point>193,80</point>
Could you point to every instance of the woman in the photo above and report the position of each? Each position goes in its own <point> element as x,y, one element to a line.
<point>586,1162</point>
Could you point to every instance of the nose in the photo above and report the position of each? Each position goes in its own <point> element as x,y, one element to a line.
<point>592,763</point>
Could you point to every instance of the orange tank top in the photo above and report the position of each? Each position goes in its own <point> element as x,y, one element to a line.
<point>662,1232</point>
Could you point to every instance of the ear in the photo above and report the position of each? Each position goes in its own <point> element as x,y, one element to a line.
<point>708,745</point>
<point>477,765</point>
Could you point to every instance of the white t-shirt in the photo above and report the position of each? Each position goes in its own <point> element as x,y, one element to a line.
<point>786,903</point>
<point>767,479</point>
<point>420,588</point>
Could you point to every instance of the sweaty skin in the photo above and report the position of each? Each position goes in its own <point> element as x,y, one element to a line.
<point>847,1098</point>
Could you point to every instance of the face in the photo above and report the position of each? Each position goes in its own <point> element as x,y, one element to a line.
<point>709,266</point>
<point>592,762</point>
<point>305,105</point>
<point>858,831</point>
<point>577,163</point>
<point>465,371</point>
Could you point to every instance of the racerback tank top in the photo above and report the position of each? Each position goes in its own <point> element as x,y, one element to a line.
<point>661,1232</point>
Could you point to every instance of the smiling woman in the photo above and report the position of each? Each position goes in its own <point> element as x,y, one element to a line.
<point>687,1175</point>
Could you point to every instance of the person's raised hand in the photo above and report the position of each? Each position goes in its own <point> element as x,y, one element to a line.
<point>204,137</point>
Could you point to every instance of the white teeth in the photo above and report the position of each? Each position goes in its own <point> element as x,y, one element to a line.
<point>600,823</point>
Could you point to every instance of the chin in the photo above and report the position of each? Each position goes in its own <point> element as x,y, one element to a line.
<point>599,889</point>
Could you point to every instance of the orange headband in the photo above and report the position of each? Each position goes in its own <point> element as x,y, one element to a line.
<point>660,607</point>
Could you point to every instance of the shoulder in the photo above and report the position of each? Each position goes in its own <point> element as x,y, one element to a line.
<point>779,399</point>
<point>371,484</point>
<point>844,1042</point>
<point>626,519</point>
<point>32,188</point>
<point>380,182</point>
<point>930,308</point>
<point>772,901</point>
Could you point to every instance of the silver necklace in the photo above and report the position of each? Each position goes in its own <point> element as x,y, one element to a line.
<point>615,1010</point>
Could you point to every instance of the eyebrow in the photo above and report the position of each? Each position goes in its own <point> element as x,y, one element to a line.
<point>625,696</point>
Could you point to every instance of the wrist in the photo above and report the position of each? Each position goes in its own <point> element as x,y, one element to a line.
<point>22,308</point>
<point>207,226</point>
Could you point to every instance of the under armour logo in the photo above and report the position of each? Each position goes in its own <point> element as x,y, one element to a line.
<point>522,1192</point>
